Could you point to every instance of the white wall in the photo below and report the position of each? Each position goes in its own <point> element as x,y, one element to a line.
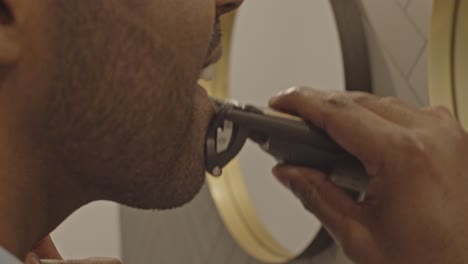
<point>94,230</point>
<point>398,33</point>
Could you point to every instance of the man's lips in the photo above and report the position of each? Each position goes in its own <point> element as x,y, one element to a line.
<point>208,71</point>
<point>214,56</point>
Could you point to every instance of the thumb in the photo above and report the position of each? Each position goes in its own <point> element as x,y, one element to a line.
<point>46,249</point>
<point>81,261</point>
<point>341,215</point>
<point>32,258</point>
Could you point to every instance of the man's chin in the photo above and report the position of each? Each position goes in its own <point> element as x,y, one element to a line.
<point>182,169</point>
<point>172,191</point>
<point>184,194</point>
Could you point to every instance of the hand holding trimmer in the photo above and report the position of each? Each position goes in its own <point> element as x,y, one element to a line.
<point>288,138</point>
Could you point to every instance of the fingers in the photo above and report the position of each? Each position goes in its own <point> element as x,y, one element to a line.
<point>334,208</point>
<point>31,258</point>
<point>440,112</point>
<point>46,249</point>
<point>83,261</point>
<point>45,252</point>
<point>344,219</point>
<point>389,108</point>
<point>360,131</point>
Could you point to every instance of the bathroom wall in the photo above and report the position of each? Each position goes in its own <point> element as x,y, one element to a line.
<point>397,34</point>
<point>94,230</point>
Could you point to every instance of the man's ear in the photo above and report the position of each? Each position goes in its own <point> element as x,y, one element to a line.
<point>9,33</point>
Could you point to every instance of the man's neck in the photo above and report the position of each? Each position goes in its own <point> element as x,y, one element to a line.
<point>32,203</point>
<point>20,222</point>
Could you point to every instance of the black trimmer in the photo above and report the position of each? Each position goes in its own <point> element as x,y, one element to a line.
<point>287,138</point>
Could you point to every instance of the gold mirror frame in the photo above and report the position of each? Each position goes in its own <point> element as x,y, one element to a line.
<point>229,192</point>
<point>448,62</point>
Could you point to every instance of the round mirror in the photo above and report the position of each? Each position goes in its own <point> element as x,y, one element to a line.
<point>270,45</point>
<point>449,57</point>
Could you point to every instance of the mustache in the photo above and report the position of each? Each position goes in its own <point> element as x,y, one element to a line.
<point>216,35</point>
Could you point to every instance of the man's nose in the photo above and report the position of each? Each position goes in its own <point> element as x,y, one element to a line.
<point>226,6</point>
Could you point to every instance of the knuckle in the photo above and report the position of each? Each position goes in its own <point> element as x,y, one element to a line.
<point>362,97</point>
<point>296,91</point>
<point>311,199</point>
<point>338,100</point>
<point>301,89</point>
<point>389,100</point>
<point>100,260</point>
<point>312,196</point>
<point>351,239</point>
<point>414,146</point>
<point>411,143</point>
<point>464,140</point>
<point>441,112</point>
<point>441,109</point>
<point>457,132</point>
<point>111,261</point>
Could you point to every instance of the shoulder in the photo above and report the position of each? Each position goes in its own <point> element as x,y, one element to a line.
<point>7,258</point>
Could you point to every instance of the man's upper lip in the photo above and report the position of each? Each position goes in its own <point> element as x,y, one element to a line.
<point>214,56</point>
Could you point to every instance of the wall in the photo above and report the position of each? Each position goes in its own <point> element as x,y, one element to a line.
<point>94,230</point>
<point>398,33</point>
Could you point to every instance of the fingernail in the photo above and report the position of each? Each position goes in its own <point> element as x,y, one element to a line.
<point>287,91</point>
<point>282,93</point>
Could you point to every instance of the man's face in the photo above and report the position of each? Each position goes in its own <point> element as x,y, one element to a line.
<point>120,108</point>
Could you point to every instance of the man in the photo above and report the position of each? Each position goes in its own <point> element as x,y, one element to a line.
<point>99,101</point>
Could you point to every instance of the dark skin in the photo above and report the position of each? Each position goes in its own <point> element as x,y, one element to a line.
<point>414,210</point>
<point>99,101</point>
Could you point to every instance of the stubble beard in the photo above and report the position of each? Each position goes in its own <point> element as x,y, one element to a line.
<point>118,119</point>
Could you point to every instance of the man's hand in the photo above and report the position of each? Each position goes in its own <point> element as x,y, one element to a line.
<point>46,253</point>
<point>416,207</point>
